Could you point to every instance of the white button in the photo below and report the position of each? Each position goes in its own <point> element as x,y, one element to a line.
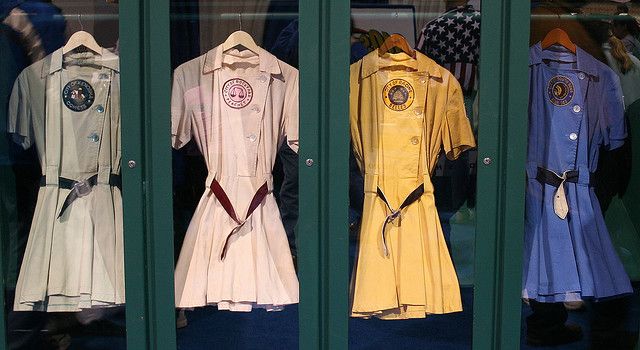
<point>255,108</point>
<point>252,138</point>
<point>414,140</point>
<point>417,112</point>
<point>581,75</point>
<point>573,136</point>
<point>94,137</point>
<point>262,78</point>
<point>99,109</point>
<point>423,80</point>
<point>577,109</point>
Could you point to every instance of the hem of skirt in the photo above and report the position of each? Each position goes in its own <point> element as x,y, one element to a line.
<point>398,314</point>
<point>237,306</point>
<point>571,296</point>
<point>67,303</point>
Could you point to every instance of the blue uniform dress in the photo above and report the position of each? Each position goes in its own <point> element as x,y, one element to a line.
<point>576,106</point>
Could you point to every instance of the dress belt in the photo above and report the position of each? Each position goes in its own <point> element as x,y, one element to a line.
<point>549,177</point>
<point>80,188</point>
<point>395,214</point>
<point>222,197</point>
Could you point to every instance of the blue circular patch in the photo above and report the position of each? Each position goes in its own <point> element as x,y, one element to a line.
<point>560,90</point>
<point>78,95</point>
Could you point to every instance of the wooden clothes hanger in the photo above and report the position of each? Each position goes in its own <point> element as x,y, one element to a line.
<point>240,38</point>
<point>81,39</point>
<point>398,41</point>
<point>558,36</point>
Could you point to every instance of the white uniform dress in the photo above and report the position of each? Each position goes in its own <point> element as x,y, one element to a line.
<point>69,108</point>
<point>239,107</point>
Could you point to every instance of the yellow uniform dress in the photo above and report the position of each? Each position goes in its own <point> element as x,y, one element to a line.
<point>403,111</point>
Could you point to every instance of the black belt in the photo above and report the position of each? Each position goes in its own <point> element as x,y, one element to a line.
<point>549,177</point>
<point>412,197</point>
<point>80,188</point>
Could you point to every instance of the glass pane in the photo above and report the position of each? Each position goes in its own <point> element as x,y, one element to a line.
<point>582,248</point>
<point>60,200</point>
<point>234,131</point>
<point>412,201</point>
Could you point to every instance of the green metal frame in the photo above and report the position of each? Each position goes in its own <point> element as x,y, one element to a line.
<point>504,97</point>
<point>145,72</point>
<point>324,138</point>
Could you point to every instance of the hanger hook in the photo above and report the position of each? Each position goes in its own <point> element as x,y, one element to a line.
<point>80,21</point>
<point>240,20</point>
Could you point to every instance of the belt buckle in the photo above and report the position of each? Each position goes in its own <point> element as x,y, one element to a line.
<point>82,188</point>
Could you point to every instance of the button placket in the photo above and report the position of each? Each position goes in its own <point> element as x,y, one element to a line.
<point>98,113</point>
<point>572,142</point>
<point>94,137</point>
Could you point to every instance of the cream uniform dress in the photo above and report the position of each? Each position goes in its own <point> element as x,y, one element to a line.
<point>75,261</point>
<point>238,107</point>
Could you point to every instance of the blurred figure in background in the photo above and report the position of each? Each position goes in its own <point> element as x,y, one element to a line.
<point>625,28</point>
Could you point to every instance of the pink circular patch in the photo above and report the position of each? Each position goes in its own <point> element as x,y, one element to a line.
<point>237,93</point>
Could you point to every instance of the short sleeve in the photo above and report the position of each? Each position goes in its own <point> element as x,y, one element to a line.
<point>291,113</point>
<point>20,116</point>
<point>613,114</point>
<point>457,135</point>
<point>180,119</point>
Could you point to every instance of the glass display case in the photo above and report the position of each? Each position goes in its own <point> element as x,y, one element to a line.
<point>581,249</point>
<point>318,174</point>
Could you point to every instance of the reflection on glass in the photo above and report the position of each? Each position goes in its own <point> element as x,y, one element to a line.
<point>581,244</point>
<point>412,178</point>
<point>61,208</point>
<point>234,113</point>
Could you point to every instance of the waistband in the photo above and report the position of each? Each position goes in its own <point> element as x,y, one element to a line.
<point>395,214</point>
<point>80,188</point>
<point>224,200</point>
<point>551,178</point>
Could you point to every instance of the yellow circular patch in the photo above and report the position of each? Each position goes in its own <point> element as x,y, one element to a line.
<point>398,95</point>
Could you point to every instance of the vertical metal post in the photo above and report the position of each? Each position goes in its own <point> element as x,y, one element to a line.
<point>145,89</point>
<point>324,134</point>
<point>502,137</point>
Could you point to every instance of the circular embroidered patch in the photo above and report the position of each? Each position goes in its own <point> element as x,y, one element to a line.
<point>560,90</point>
<point>237,93</point>
<point>78,95</point>
<point>398,95</point>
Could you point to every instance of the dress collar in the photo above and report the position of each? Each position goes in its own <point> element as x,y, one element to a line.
<point>268,62</point>
<point>105,59</point>
<point>371,63</point>
<point>584,61</point>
